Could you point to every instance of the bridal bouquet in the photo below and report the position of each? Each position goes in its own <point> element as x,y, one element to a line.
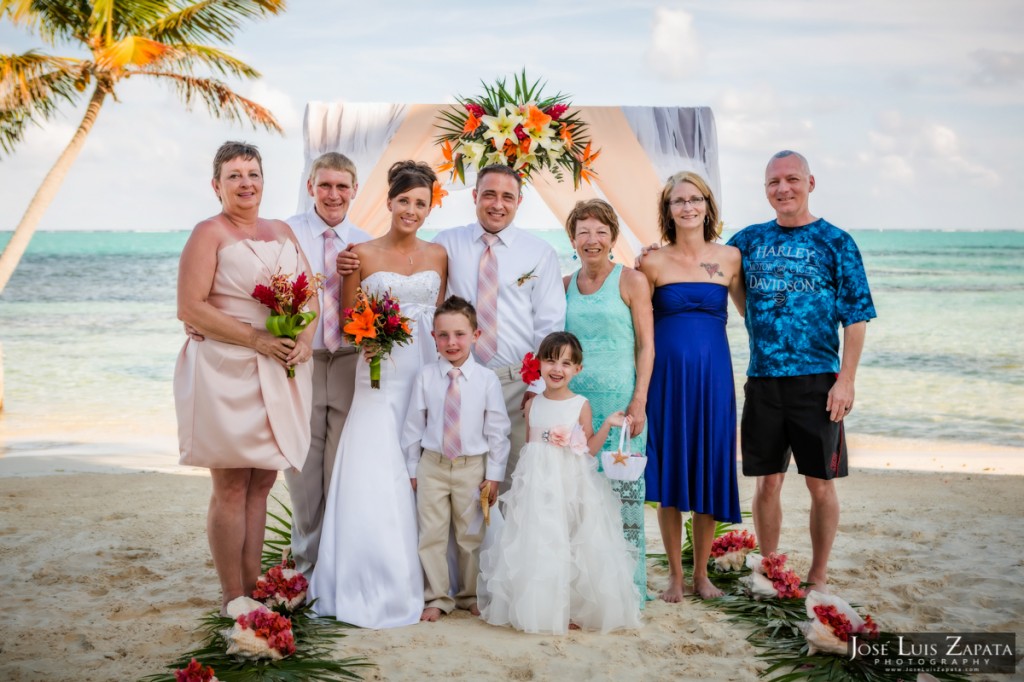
<point>281,586</point>
<point>524,129</point>
<point>730,550</point>
<point>287,301</point>
<point>258,632</point>
<point>769,577</point>
<point>195,672</point>
<point>832,623</point>
<point>376,324</point>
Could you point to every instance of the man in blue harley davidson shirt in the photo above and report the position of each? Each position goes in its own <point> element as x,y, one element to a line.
<point>804,277</point>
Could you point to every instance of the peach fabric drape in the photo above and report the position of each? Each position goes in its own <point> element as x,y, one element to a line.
<point>638,145</point>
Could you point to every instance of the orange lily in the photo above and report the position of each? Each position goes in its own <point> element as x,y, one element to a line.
<point>362,325</point>
<point>437,195</point>
<point>449,163</point>
<point>509,149</point>
<point>472,123</point>
<point>536,119</point>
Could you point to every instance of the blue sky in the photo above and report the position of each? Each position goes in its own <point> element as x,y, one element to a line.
<point>910,112</point>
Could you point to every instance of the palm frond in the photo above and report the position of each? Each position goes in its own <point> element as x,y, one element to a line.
<point>315,641</point>
<point>188,56</point>
<point>220,100</point>
<point>53,21</point>
<point>211,20</point>
<point>32,85</point>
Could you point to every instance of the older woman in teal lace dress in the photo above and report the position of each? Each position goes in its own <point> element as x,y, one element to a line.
<point>609,310</point>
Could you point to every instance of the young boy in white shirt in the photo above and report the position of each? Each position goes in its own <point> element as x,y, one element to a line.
<point>456,444</point>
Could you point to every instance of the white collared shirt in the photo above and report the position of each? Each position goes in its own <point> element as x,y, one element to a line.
<point>483,421</point>
<point>309,229</point>
<point>531,298</point>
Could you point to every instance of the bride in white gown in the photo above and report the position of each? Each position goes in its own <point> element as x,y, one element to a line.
<point>368,571</point>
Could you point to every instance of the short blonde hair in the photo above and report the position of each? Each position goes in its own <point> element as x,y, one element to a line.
<point>333,161</point>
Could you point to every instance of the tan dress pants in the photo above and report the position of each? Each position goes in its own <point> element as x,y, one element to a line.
<point>447,497</point>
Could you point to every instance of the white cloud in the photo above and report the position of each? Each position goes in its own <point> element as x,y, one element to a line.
<point>280,104</point>
<point>674,52</point>
<point>997,67</point>
<point>907,148</point>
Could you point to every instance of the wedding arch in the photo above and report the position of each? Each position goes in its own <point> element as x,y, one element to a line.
<point>640,148</point>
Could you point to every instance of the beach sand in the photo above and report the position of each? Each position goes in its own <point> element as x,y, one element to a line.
<point>106,575</point>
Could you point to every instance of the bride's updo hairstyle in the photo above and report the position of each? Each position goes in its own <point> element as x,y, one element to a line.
<point>406,175</point>
<point>554,343</point>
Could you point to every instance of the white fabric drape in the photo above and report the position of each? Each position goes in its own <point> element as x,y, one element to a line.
<point>641,148</point>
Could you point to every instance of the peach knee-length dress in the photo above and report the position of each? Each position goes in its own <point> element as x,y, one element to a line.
<point>236,407</point>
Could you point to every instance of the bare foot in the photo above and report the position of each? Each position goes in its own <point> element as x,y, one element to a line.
<point>474,609</point>
<point>706,589</point>
<point>675,591</point>
<point>573,626</point>
<point>818,584</point>
<point>430,615</point>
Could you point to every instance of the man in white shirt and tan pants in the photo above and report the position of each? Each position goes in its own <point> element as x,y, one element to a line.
<point>323,232</point>
<point>513,279</point>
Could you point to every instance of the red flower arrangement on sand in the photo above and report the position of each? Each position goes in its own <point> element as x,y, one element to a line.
<point>287,301</point>
<point>195,672</point>
<point>522,129</point>
<point>832,623</point>
<point>283,586</point>
<point>769,577</point>
<point>730,550</point>
<point>376,324</point>
<point>530,369</point>
<point>258,632</point>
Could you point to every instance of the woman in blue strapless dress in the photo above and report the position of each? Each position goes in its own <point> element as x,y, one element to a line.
<point>691,403</point>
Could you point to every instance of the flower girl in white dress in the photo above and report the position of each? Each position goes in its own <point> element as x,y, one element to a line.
<point>560,561</point>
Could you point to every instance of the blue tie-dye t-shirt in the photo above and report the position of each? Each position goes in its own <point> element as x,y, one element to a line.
<point>802,282</point>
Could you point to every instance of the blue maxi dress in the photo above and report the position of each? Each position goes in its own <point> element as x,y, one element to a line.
<point>691,404</point>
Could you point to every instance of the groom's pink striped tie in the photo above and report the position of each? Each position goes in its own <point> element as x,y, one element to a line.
<point>332,292</point>
<point>487,301</point>
<point>452,439</point>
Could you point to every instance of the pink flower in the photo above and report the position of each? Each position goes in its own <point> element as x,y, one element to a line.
<point>558,436</point>
<point>475,109</point>
<point>555,111</point>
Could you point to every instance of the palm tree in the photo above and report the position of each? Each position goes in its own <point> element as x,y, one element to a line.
<point>160,39</point>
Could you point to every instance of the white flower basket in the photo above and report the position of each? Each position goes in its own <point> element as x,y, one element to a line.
<point>621,464</point>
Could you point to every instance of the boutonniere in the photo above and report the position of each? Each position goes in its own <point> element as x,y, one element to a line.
<point>526,277</point>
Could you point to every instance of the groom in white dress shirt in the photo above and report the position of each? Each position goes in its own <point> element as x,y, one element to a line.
<point>530,296</point>
<point>332,184</point>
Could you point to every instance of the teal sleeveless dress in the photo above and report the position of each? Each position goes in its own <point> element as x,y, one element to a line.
<point>604,326</point>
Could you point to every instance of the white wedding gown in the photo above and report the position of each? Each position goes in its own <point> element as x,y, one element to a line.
<point>368,570</point>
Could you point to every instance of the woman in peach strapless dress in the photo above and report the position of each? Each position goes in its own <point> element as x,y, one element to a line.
<point>239,415</point>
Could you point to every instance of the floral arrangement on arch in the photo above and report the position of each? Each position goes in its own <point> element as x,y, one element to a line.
<point>523,129</point>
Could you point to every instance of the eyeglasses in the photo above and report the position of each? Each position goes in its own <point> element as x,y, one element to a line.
<point>696,202</point>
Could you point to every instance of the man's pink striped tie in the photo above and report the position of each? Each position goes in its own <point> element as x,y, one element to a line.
<point>332,292</point>
<point>452,439</point>
<point>487,301</point>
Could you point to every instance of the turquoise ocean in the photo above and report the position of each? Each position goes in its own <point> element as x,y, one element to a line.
<point>90,337</point>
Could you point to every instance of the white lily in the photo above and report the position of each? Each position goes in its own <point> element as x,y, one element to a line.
<point>502,128</point>
<point>472,152</point>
